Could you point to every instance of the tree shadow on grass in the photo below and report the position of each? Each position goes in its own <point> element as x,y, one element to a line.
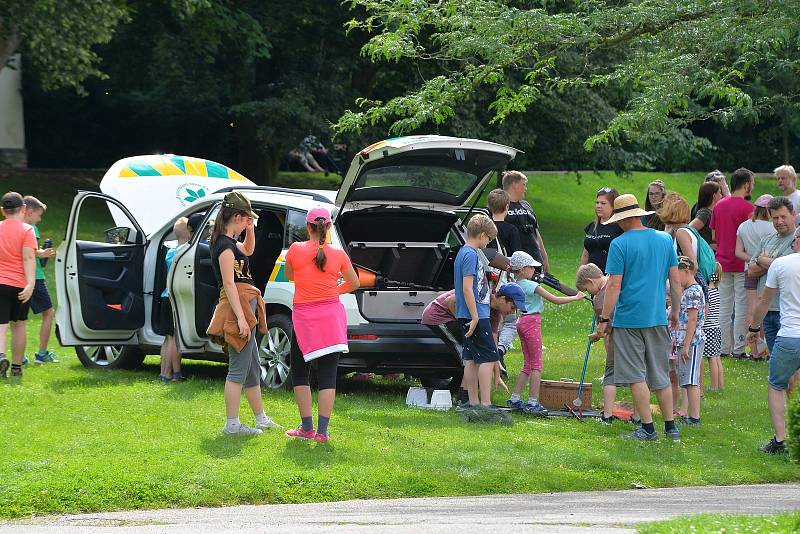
<point>222,446</point>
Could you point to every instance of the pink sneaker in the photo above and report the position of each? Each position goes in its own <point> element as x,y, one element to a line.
<point>322,438</point>
<point>299,433</point>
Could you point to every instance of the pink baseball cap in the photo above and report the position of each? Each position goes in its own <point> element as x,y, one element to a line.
<point>316,213</point>
<point>763,201</point>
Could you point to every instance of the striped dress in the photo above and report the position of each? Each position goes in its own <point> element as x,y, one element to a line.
<point>711,326</point>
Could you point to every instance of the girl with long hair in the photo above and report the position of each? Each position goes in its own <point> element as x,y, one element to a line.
<point>240,302</point>
<point>319,320</point>
<point>707,197</point>
<point>598,234</point>
<point>656,193</point>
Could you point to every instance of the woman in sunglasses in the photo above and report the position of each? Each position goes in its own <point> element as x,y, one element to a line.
<point>598,234</point>
<point>656,191</point>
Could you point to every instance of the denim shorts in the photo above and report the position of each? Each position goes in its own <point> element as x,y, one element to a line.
<point>784,361</point>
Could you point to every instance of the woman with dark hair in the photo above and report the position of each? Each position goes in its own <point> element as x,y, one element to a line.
<point>598,235</point>
<point>319,320</point>
<point>707,197</point>
<point>239,310</point>
<point>656,191</point>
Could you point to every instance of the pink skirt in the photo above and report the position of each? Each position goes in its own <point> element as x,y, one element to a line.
<point>320,328</point>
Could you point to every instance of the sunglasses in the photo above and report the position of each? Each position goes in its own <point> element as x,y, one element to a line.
<point>605,190</point>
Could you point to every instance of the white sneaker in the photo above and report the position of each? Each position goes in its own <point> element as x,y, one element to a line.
<point>243,430</point>
<point>268,424</point>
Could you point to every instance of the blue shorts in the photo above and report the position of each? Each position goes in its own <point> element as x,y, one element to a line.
<point>479,347</point>
<point>784,361</point>
<point>40,300</point>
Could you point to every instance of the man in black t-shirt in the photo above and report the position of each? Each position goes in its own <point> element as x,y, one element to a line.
<point>521,215</point>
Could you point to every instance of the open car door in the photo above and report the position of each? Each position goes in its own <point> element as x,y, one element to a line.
<point>193,289</point>
<point>99,275</point>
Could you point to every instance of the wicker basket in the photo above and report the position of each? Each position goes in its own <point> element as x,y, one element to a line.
<point>555,393</point>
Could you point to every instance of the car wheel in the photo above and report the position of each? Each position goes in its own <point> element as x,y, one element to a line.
<point>110,356</point>
<point>274,349</point>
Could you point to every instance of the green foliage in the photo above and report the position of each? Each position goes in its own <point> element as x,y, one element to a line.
<point>793,427</point>
<point>663,65</point>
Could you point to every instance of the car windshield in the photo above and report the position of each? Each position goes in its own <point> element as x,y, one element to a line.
<point>452,182</point>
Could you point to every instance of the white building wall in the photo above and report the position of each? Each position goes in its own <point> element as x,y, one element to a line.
<point>12,124</point>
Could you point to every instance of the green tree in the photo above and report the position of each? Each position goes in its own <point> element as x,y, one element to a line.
<point>670,63</point>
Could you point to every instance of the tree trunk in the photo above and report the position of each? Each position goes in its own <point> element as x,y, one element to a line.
<point>9,41</point>
<point>785,142</point>
<point>252,162</point>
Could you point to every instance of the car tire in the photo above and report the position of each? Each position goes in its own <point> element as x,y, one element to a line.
<point>110,356</point>
<point>274,349</point>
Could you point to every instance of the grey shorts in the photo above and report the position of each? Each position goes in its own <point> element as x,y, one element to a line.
<point>245,367</point>
<point>608,376</point>
<point>642,355</point>
<point>689,371</point>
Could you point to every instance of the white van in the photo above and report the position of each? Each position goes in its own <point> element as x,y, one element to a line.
<point>396,214</point>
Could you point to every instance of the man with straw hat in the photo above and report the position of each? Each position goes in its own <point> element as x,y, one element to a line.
<point>639,263</point>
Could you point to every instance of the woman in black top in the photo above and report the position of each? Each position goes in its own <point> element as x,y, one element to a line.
<point>229,259</point>
<point>707,198</point>
<point>598,234</point>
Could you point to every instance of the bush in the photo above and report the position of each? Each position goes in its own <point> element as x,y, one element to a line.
<point>793,427</point>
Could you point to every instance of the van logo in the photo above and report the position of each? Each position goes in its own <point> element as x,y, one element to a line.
<point>189,192</point>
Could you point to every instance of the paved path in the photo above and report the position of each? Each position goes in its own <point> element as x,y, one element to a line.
<point>578,512</point>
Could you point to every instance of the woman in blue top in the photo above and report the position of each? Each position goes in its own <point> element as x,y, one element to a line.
<point>170,357</point>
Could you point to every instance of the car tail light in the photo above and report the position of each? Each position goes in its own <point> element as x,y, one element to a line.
<point>370,337</point>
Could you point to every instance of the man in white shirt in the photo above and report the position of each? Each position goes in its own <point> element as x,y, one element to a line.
<point>786,180</point>
<point>783,277</point>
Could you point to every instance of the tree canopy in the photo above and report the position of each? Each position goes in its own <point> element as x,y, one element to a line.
<point>659,65</point>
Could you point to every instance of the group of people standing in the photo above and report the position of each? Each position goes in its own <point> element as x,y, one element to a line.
<point>320,273</point>
<point>716,258</point>
<point>22,281</point>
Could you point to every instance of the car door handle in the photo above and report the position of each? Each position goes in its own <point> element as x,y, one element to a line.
<point>415,304</point>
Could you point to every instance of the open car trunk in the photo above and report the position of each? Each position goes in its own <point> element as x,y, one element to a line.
<point>408,251</point>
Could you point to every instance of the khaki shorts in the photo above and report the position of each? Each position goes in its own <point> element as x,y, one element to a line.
<point>642,355</point>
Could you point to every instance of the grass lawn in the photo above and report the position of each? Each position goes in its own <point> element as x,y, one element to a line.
<point>726,524</point>
<point>79,440</point>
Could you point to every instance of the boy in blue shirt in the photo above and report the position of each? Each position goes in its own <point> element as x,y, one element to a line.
<point>472,310</point>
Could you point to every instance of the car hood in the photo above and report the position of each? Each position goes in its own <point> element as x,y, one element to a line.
<point>157,187</point>
<point>430,170</point>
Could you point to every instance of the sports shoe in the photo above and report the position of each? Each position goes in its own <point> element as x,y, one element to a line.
<point>535,408</point>
<point>299,433</point>
<point>16,372</point>
<point>45,357</point>
<point>686,421</point>
<point>673,433</point>
<point>642,435</point>
<point>177,377</point>
<point>4,365</point>
<point>322,438</point>
<point>774,447</point>
<point>25,360</point>
<point>269,423</point>
<point>243,430</point>
<point>165,379</point>
<point>515,404</point>
<point>606,421</point>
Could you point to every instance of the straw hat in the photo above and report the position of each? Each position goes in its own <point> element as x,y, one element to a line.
<point>626,206</point>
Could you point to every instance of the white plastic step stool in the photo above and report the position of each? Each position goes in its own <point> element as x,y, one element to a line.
<point>433,399</point>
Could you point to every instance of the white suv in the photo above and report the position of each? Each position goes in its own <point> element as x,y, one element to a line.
<point>396,213</point>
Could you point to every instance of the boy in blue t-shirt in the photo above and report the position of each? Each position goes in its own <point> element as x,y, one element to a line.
<point>472,310</point>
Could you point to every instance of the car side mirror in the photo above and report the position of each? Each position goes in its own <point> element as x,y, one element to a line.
<point>117,235</point>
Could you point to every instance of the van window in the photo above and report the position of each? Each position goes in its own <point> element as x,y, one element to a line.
<point>296,227</point>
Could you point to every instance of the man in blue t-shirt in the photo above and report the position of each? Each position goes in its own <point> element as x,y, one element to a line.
<point>640,262</point>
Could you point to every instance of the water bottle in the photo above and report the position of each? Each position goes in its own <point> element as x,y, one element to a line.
<point>48,243</point>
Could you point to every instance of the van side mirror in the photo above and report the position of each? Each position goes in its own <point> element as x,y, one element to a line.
<point>117,235</point>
